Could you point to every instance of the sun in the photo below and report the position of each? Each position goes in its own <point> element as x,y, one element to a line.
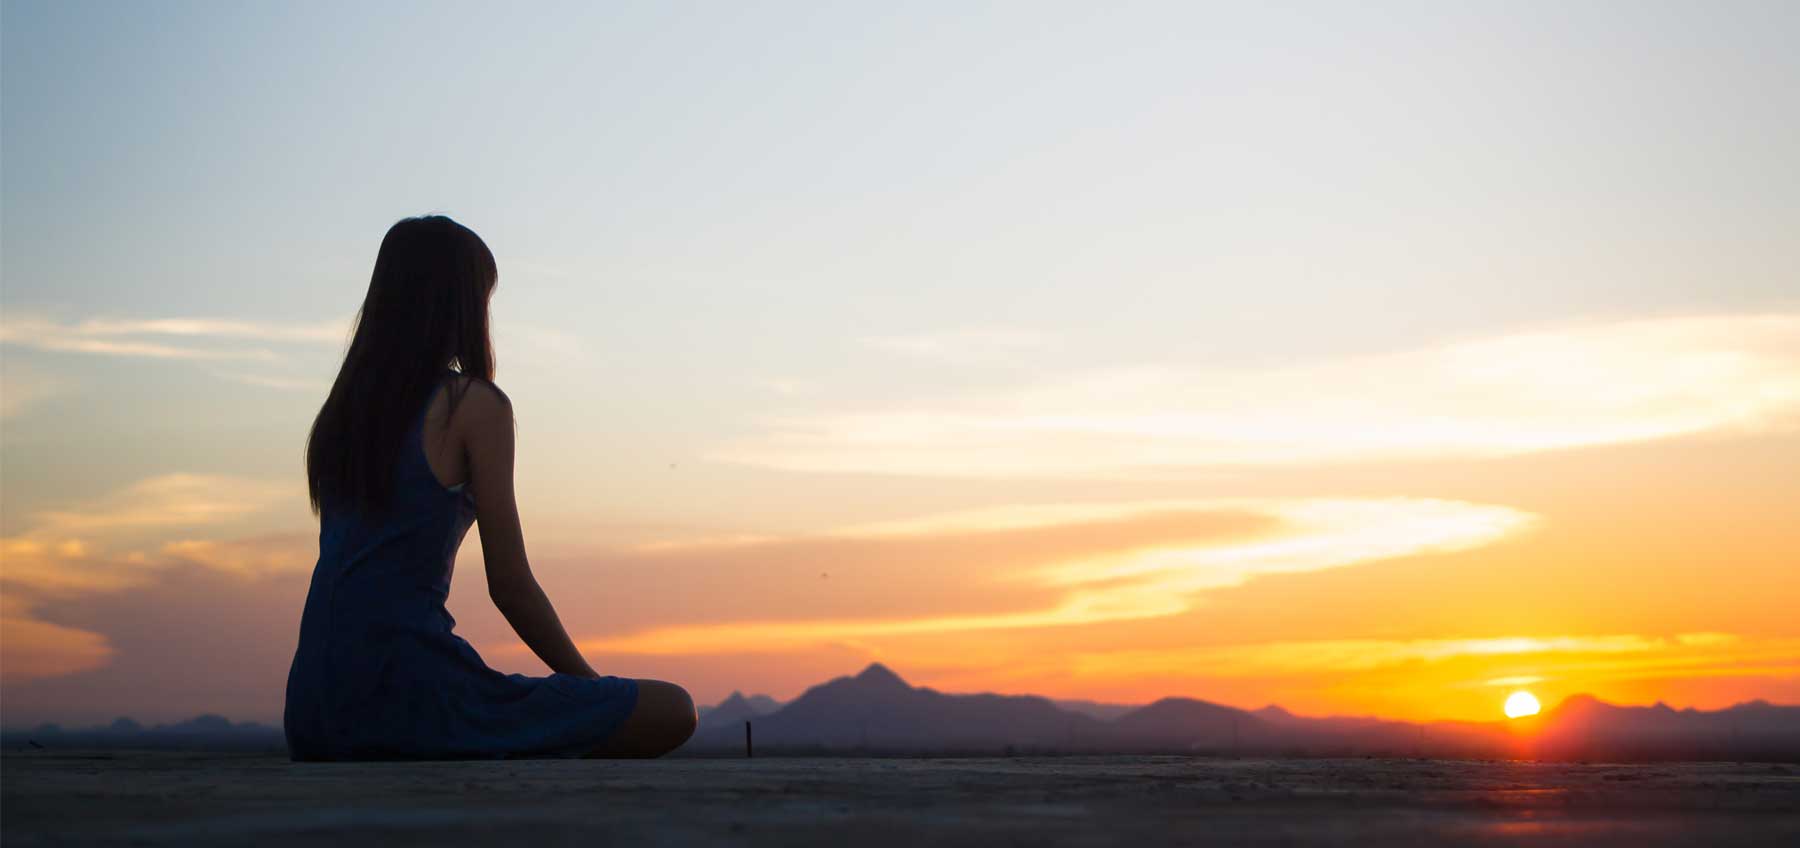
<point>1521,704</point>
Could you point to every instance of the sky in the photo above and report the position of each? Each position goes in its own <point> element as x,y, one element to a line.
<point>1361,358</point>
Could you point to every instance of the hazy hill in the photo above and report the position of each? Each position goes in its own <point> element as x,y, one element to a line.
<point>735,710</point>
<point>1094,709</point>
<point>1184,724</point>
<point>1585,727</point>
<point>205,732</point>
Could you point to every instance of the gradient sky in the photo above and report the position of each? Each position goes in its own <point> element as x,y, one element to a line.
<point>1360,358</point>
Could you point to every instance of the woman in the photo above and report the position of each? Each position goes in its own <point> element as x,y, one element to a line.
<point>414,443</point>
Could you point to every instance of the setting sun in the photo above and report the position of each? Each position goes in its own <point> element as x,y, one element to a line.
<point>1520,704</point>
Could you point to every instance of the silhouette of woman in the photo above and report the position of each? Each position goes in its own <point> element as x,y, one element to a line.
<point>414,444</point>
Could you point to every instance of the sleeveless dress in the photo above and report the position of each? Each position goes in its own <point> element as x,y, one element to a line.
<point>378,674</point>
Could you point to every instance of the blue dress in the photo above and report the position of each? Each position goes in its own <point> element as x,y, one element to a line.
<point>378,673</point>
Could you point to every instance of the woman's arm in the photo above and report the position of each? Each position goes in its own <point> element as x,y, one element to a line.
<point>488,434</point>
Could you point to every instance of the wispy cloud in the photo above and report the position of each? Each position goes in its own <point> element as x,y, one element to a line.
<point>96,547</point>
<point>168,338</point>
<point>41,574</point>
<point>1565,662</point>
<point>170,500</point>
<point>1345,655</point>
<point>1128,581</point>
<point>320,332</point>
<point>1593,384</point>
<point>272,381</point>
<point>264,554</point>
<point>1515,680</point>
<point>32,648</point>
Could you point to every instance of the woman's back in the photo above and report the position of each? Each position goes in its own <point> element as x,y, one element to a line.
<point>408,552</point>
<point>379,673</point>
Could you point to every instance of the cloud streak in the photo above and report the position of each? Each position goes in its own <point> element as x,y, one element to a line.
<point>169,500</point>
<point>1353,655</point>
<point>318,332</point>
<point>31,648</point>
<point>1127,582</point>
<point>1593,384</point>
<point>168,338</point>
<point>268,381</point>
<point>95,549</point>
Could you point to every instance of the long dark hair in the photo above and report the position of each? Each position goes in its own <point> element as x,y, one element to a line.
<point>426,312</point>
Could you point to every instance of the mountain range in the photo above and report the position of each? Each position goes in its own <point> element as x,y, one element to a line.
<point>877,713</point>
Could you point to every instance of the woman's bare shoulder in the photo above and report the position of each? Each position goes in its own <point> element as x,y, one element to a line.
<point>474,388</point>
<point>483,405</point>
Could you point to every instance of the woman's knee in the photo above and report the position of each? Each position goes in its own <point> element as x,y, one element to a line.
<point>670,707</point>
<point>661,721</point>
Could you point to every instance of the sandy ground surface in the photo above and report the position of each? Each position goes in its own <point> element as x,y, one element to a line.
<point>163,798</point>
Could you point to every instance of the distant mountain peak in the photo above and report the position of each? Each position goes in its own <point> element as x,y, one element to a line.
<point>880,675</point>
<point>737,708</point>
<point>763,704</point>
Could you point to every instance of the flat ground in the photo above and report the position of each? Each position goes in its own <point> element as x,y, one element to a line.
<point>163,798</point>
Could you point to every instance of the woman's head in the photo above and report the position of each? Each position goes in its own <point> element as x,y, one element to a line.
<point>426,311</point>
<point>428,297</point>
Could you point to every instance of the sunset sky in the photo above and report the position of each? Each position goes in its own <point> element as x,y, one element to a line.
<point>1365,359</point>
